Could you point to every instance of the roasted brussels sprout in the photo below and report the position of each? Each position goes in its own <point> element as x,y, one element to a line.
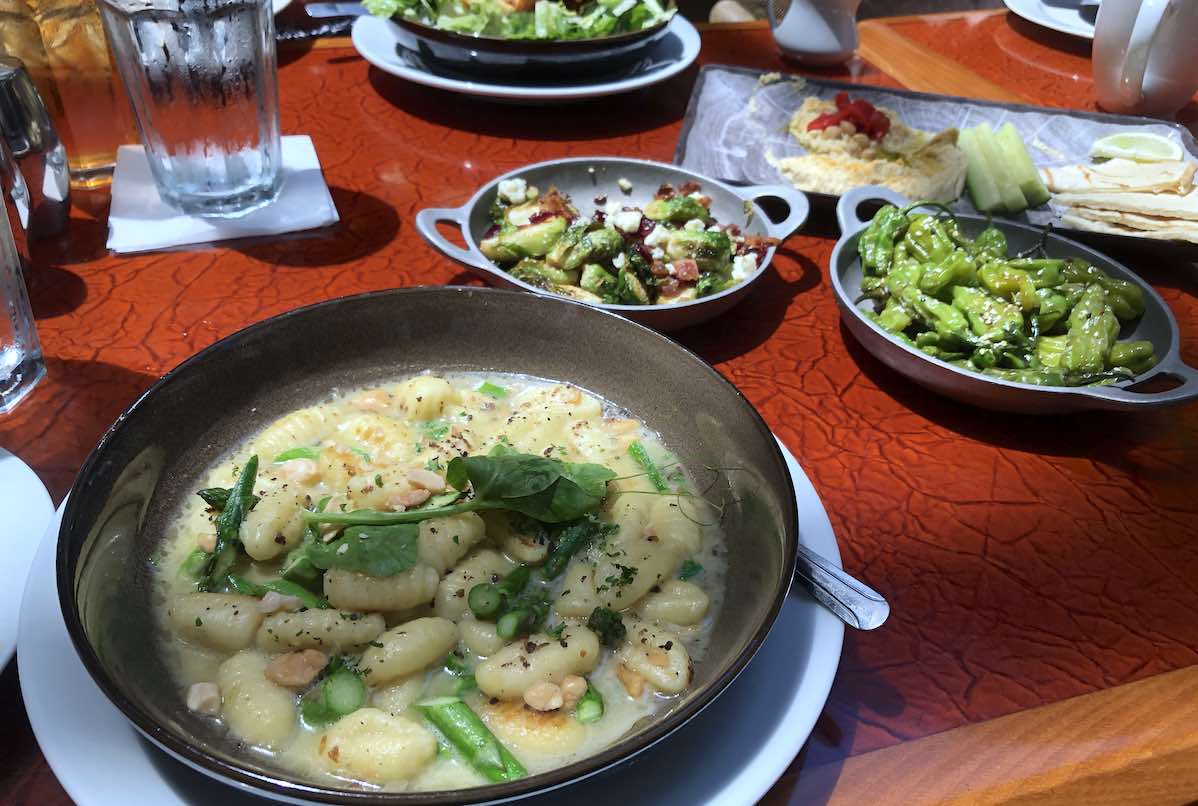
<point>677,210</point>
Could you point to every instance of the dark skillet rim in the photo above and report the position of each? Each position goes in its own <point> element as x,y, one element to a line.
<point>294,789</point>
<point>538,47</point>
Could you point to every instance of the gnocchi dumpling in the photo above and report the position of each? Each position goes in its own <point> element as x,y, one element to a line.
<point>216,620</point>
<point>255,709</point>
<point>676,602</point>
<point>426,397</point>
<point>351,590</point>
<point>327,630</point>
<point>372,745</point>
<point>539,658</point>
<point>408,648</point>
<point>444,541</point>
<point>528,732</point>
<point>656,655</point>
<point>484,565</point>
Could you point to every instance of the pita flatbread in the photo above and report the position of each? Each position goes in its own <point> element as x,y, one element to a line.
<point>1121,174</point>
<point>1165,230</point>
<point>1164,205</point>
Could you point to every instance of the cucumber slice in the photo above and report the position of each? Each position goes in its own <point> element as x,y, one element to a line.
<point>1015,152</point>
<point>1012,197</point>
<point>982,190</point>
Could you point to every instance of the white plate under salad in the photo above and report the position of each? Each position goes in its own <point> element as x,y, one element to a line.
<point>735,749</point>
<point>1067,16</point>
<point>377,40</point>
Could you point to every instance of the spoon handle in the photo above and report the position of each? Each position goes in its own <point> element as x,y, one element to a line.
<point>857,604</point>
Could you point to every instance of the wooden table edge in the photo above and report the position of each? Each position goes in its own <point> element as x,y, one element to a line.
<point>1128,745</point>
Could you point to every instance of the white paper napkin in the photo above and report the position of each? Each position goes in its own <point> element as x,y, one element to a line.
<point>141,221</point>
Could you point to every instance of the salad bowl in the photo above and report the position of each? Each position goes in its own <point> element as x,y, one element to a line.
<point>545,41</point>
<point>582,179</point>
<point>1156,325</point>
<point>152,458</point>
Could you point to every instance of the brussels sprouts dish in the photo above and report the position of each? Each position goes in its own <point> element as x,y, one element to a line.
<point>669,252</point>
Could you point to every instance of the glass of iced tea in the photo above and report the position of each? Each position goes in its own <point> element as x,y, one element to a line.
<point>64,49</point>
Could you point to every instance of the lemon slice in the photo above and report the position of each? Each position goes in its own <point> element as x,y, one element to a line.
<point>1138,146</point>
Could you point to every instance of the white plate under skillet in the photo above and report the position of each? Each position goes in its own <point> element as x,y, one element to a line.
<point>1067,16</point>
<point>27,509</point>
<point>377,40</point>
<point>730,754</point>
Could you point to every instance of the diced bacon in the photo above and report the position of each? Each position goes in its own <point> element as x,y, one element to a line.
<point>689,187</point>
<point>408,498</point>
<point>686,270</point>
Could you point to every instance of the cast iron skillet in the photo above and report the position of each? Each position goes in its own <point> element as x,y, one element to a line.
<point>546,60</point>
<point>583,178</point>
<point>1157,325</point>
<point>155,454</point>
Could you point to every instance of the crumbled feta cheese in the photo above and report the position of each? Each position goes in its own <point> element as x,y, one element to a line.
<point>519,216</point>
<point>612,207</point>
<point>627,220</point>
<point>619,260</point>
<point>743,266</point>
<point>624,185</point>
<point>695,225</point>
<point>658,253</point>
<point>696,195</point>
<point>657,236</point>
<point>714,228</point>
<point>513,190</point>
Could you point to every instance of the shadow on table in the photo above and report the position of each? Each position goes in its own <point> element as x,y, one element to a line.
<point>367,224</point>
<point>757,317</point>
<point>1111,437</point>
<point>55,291</point>
<point>85,397</point>
<point>812,776</point>
<point>589,119</point>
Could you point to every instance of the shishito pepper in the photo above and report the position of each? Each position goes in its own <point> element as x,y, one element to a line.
<point>990,244</point>
<point>1093,329</point>
<point>927,239</point>
<point>957,268</point>
<point>1137,356</point>
<point>1125,299</point>
<point>876,244</point>
<point>1009,283</point>
<point>990,318</point>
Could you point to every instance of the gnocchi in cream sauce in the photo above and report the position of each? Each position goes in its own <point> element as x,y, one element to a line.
<point>376,584</point>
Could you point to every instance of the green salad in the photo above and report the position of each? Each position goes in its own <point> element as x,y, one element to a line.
<point>1039,320</point>
<point>528,19</point>
<point>668,252</point>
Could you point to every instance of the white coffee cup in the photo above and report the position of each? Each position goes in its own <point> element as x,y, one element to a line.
<point>817,31</point>
<point>1146,55</point>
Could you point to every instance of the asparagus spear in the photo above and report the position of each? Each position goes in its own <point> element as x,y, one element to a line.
<point>462,727</point>
<point>590,706</point>
<point>637,451</point>
<point>228,526</point>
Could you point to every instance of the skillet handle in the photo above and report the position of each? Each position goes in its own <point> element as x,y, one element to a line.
<point>1125,400</point>
<point>796,202</point>
<point>426,224</point>
<point>846,208</point>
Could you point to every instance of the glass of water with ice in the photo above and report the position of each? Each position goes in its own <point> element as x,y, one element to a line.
<point>203,79</point>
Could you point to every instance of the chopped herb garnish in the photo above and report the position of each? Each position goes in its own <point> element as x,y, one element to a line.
<point>491,390</point>
<point>689,569</point>
<point>297,453</point>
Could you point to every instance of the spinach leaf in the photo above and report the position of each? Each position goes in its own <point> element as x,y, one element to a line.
<point>282,586</point>
<point>547,490</point>
<point>378,551</point>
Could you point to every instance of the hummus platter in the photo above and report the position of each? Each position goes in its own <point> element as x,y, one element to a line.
<point>851,143</point>
<point>1109,179</point>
